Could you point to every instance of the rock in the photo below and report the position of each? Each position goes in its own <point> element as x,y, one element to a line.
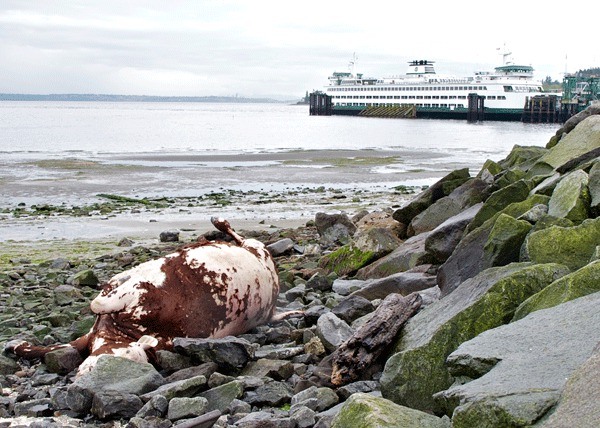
<point>186,407</point>
<point>577,284</point>
<point>303,416</point>
<point>112,374</point>
<point>346,260</point>
<point>352,308</point>
<point>499,200</point>
<point>264,420</point>
<point>378,220</point>
<point>402,283</point>
<point>538,354</point>
<point>275,369</point>
<point>578,404</point>
<point>522,157</point>
<point>332,331</point>
<point>171,361</point>
<point>314,346</point>
<point>85,277</point>
<point>8,365</point>
<point>323,397</point>
<point>377,240</point>
<point>206,370</point>
<point>441,188</point>
<point>409,254</point>
<point>155,407</point>
<point>584,138</point>
<point>571,198</point>
<point>220,397</point>
<point>169,236</point>
<point>364,410</point>
<point>345,287</point>
<point>572,246</point>
<point>115,405</point>
<point>594,188</point>
<point>469,257</point>
<point>229,353</point>
<point>319,282</point>
<point>468,194</point>
<point>352,388</point>
<point>280,247</point>
<point>62,360</point>
<point>417,370</point>
<point>505,239</point>
<point>66,294</point>
<point>181,388</point>
<point>334,228</point>
<point>272,394</point>
<point>535,214</point>
<point>442,241</point>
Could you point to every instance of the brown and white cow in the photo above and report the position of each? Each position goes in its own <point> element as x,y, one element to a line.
<point>209,289</point>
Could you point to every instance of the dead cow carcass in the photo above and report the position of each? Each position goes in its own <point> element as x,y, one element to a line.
<point>208,289</point>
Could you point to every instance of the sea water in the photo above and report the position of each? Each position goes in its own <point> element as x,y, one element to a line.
<point>67,153</point>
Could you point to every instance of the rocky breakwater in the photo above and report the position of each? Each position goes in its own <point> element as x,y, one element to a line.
<point>474,305</point>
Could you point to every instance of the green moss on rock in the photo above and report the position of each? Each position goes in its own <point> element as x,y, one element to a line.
<point>346,260</point>
<point>571,197</point>
<point>505,240</point>
<point>577,284</point>
<point>417,371</point>
<point>572,246</point>
<point>365,411</point>
<point>499,200</point>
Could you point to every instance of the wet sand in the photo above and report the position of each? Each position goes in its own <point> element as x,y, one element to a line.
<point>255,190</point>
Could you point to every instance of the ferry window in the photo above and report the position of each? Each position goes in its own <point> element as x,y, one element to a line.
<point>404,97</point>
<point>444,97</point>
<point>508,89</point>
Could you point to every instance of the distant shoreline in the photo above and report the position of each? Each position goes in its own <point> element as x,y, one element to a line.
<point>137,98</point>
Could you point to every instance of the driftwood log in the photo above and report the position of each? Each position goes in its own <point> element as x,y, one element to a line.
<point>357,354</point>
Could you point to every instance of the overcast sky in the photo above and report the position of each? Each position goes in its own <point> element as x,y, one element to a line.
<point>274,48</point>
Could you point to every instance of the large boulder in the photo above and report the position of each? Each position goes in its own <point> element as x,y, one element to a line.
<point>499,200</point>
<point>577,284</point>
<point>505,239</point>
<point>578,404</point>
<point>584,138</point>
<point>417,370</point>
<point>469,257</point>
<point>347,259</point>
<point>468,194</point>
<point>441,188</point>
<point>334,228</point>
<point>443,239</point>
<point>571,197</point>
<point>520,369</point>
<point>572,246</point>
<point>366,411</point>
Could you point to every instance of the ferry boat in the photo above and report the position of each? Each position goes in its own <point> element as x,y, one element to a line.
<point>421,92</point>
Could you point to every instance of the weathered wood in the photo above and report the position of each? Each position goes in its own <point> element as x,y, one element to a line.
<point>355,355</point>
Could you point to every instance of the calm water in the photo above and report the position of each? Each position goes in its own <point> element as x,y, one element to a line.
<point>38,129</point>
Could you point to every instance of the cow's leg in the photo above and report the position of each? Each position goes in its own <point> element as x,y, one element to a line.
<point>224,226</point>
<point>28,351</point>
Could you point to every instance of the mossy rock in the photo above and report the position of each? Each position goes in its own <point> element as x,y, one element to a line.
<point>499,200</point>
<point>577,284</point>
<point>571,197</point>
<point>584,138</point>
<point>417,370</point>
<point>509,176</point>
<point>491,167</point>
<point>523,157</point>
<point>594,188</point>
<point>346,260</point>
<point>366,411</point>
<point>505,240</point>
<point>441,188</point>
<point>572,246</point>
